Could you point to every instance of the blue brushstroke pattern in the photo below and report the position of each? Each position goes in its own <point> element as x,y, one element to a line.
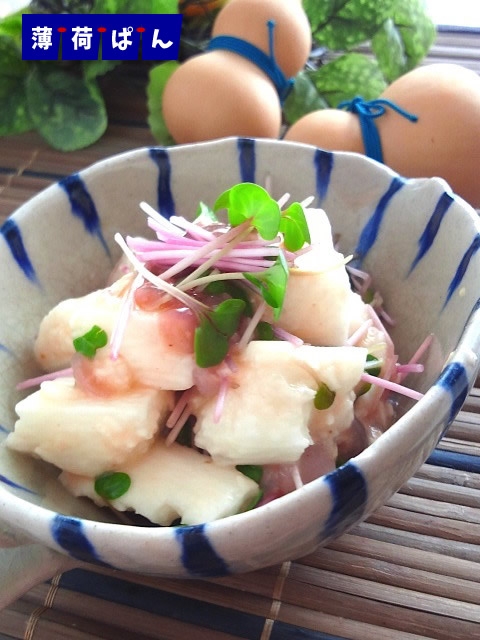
<point>14,485</point>
<point>452,460</point>
<point>198,556</point>
<point>349,495</point>
<point>430,233</point>
<point>462,268</point>
<point>83,206</point>
<point>4,348</point>
<point>454,380</point>
<point>4,429</point>
<point>13,237</point>
<point>199,614</point>
<point>246,159</point>
<point>69,535</point>
<point>323,163</point>
<point>165,202</point>
<point>370,231</point>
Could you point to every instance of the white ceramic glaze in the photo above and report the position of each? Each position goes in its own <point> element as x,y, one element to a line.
<point>418,240</point>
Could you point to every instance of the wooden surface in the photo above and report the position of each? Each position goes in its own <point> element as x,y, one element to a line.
<point>411,571</point>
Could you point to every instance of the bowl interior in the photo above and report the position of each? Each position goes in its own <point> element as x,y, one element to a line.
<point>417,240</point>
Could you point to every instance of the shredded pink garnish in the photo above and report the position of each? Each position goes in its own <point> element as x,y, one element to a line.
<point>288,337</point>
<point>194,230</point>
<point>361,279</point>
<point>178,426</point>
<point>220,403</point>
<point>252,325</point>
<point>297,478</point>
<point>123,316</point>
<point>34,382</point>
<point>182,402</point>
<point>391,386</point>
<point>419,353</point>
<point>359,333</point>
<point>405,369</point>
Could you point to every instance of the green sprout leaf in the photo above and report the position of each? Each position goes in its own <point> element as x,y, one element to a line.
<point>294,227</point>
<point>232,289</point>
<point>373,367</point>
<point>272,284</point>
<point>264,331</point>
<point>205,214</point>
<point>88,344</point>
<point>252,471</point>
<point>211,341</point>
<point>112,485</point>
<point>67,110</point>
<point>324,397</point>
<point>249,201</point>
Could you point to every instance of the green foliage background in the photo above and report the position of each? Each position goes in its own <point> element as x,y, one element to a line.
<point>64,103</point>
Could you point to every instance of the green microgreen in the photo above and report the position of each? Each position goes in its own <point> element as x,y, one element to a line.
<point>294,227</point>
<point>373,366</point>
<point>272,284</point>
<point>254,501</point>
<point>205,214</point>
<point>324,397</point>
<point>216,327</point>
<point>249,201</point>
<point>94,339</point>
<point>264,331</point>
<point>232,289</point>
<point>112,484</point>
<point>252,471</point>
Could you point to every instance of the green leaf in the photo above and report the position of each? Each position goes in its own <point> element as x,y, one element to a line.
<point>388,47</point>
<point>373,368</point>
<point>249,201</point>
<point>252,471</point>
<point>14,117</point>
<point>112,485</point>
<point>303,98</point>
<point>226,316</point>
<point>344,24</point>
<point>294,227</point>
<point>67,110</point>
<point>94,339</point>
<point>232,289</point>
<point>211,341</point>
<point>324,397</point>
<point>350,75</point>
<point>416,30</point>
<point>264,331</point>
<point>272,284</point>
<point>135,6</point>
<point>94,68</point>
<point>11,25</point>
<point>157,79</point>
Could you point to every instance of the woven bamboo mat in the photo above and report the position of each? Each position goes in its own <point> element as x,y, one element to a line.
<point>409,572</point>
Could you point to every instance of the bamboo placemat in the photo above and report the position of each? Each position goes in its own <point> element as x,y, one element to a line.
<point>409,572</point>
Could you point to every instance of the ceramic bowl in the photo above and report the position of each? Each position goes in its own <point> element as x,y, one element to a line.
<point>418,240</point>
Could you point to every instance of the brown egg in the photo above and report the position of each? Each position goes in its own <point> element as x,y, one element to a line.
<point>219,94</point>
<point>247,19</point>
<point>330,129</point>
<point>444,142</point>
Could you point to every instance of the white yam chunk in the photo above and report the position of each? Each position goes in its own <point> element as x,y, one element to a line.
<point>86,434</point>
<point>316,306</point>
<point>269,403</point>
<point>158,357</point>
<point>175,482</point>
